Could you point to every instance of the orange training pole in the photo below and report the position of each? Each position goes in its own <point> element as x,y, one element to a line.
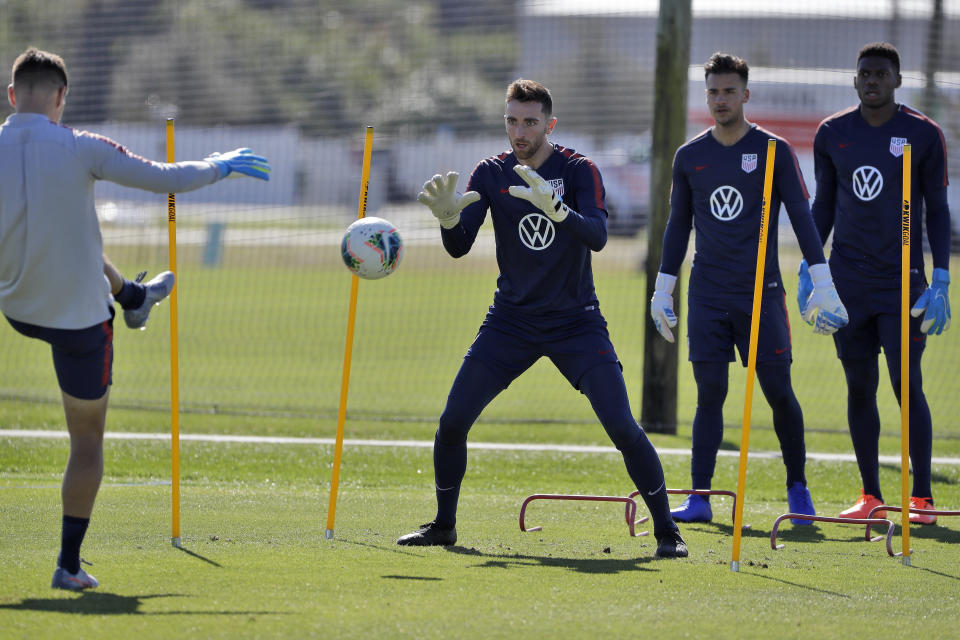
<point>348,350</point>
<point>752,357</point>
<point>905,359</point>
<point>174,355</point>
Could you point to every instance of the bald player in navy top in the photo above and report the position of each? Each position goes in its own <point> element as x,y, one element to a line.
<point>718,181</point>
<point>547,207</point>
<point>858,159</point>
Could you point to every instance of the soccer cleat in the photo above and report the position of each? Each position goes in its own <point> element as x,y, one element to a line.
<point>799,501</point>
<point>157,289</point>
<point>429,535</point>
<point>921,518</point>
<point>63,579</point>
<point>694,509</point>
<point>670,544</point>
<point>861,509</point>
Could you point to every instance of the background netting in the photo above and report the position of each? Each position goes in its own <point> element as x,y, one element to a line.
<point>262,290</point>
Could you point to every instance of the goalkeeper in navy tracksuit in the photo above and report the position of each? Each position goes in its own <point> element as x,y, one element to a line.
<point>858,158</point>
<point>718,181</point>
<point>547,207</point>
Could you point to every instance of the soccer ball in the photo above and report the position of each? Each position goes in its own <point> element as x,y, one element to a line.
<point>372,248</point>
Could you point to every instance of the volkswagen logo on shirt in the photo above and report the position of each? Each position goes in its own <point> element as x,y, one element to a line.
<point>536,231</point>
<point>867,182</point>
<point>726,203</point>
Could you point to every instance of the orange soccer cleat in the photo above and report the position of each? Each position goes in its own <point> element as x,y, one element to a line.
<point>861,509</point>
<point>921,518</point>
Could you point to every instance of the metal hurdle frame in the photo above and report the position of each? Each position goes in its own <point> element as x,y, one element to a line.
<point>630,505</point>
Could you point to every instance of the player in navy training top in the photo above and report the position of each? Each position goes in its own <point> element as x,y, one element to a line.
<point>547,207</point>
<point>858,158</point>
<point>718,181</point>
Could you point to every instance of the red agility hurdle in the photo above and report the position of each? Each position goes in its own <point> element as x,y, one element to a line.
<point>629,510</point>
<point>703,492</point>
<point>867,521</point>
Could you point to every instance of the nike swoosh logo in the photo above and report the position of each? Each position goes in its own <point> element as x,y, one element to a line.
<point>604,352</point>
<point>844,145</point>
<point>657,490</point>
<point>504,190</point>
<point>779,351</point>
<point>701,167</point>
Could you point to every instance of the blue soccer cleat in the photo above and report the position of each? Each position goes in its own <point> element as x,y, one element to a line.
<point>799,501</point>
<point>694,509</point>
<point>157,289</point>
<point>63,579</point>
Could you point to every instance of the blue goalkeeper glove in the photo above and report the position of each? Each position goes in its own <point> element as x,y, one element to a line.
<point>823,308</point>
<point>661,305</point>
<point>804,286</point>
<point>934,304</point>
<point>240,162</point>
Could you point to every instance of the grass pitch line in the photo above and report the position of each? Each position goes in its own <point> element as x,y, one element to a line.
<point>428,444</point>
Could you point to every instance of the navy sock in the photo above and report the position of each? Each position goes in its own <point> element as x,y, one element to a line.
<point>863,419</point>
<point>774,378</point>
<point>449,466</point>
<point>711,378</point>
<point>131,294</point>
<point>71,538</point>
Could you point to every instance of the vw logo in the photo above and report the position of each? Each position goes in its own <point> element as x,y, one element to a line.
<point>867,183</point>
<point>726,203</point>
<point>536,231</point>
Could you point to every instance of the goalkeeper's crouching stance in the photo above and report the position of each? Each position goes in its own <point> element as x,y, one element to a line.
<point>547,206</point>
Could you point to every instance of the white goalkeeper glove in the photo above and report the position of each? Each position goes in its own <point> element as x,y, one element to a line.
<point>440,195</point>
<point>823,309</point>
<point>540,194</point>
<point>661,305</point>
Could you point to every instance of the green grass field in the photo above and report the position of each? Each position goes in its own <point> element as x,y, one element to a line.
<point>261,354</point>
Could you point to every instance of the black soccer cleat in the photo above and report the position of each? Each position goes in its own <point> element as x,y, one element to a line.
<point>429,535</point>
<point>670,544</point>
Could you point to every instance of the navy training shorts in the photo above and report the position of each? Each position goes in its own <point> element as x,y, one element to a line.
<point>575,343</point>
<point>82,358</point>
<point>875,319</point>
<point>715,326</point>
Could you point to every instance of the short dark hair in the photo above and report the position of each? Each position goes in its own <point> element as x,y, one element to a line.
<point>880,50</point>
<point>726,63</point>
<point>34,66</point>
<point>523,90</point>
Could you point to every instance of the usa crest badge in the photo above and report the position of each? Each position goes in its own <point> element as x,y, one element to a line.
<point>896,146</point>
<point>557,186</point>
<point>748,162</point>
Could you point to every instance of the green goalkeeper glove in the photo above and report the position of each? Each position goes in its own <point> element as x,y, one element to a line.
<point>440,195</point>
<point>540,194</point>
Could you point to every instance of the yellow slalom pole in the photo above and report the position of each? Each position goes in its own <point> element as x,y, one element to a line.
<point>752,357</point>
<point>174,355</point>
<point>905,359</point>
<point>348,350</point>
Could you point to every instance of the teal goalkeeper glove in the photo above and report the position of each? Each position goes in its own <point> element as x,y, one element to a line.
<point>440,195</point>
<point>934,304</point>
<point>240,162</point>
<point>823,308</point>
<point>540,194</point>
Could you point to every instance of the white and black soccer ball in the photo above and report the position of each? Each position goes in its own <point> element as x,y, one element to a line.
<point>372,248</point>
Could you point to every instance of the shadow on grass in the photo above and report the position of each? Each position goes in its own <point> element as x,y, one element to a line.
<point>798,585</point>
<point>194,554</point>
<point>580,565</point>
<point>99,603</point>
